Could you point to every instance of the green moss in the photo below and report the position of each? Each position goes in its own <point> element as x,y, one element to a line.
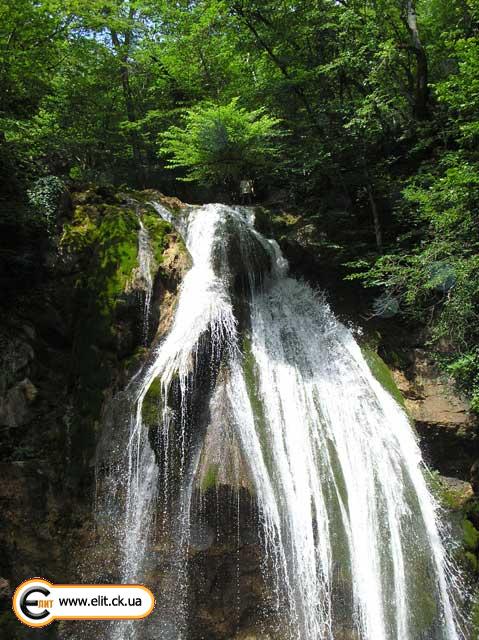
<point>210,478</point>
<point>250,376</point>
<point>81,233</point>
<point>150,411</point>
<point>278,223</point>
<point>470,535</point>
<point>117,251</point>
<point>106,238</point>
<point>286,219</point>
<point>158,230</point>
<point>471,560</point>
<point>454,499</point>
<point>103,239</point>
<point>381,372</point>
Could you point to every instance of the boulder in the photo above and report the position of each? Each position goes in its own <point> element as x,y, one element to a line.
<point>16,356</point>
<point>14,406</point>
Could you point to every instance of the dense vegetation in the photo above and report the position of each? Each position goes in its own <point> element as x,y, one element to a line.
<point>377,100</point>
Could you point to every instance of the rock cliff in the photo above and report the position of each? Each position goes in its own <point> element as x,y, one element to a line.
<point>73,336</point>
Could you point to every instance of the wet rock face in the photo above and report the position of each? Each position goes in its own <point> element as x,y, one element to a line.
<point>17,392</point>
<point>430,396</point>
<point>447,430</point>
<point>188,414</point>
<point>14,406</point>
<point>69,339</point>
<point>230,594</point>
<point>240,252</point>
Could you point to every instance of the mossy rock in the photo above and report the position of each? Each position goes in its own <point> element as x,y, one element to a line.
<point>103,238</point>
<point>472,511</point>
<point>455,496</point>
<point>277,224</point>
<point>96,194</point>
<point>159,231</point>
<point>145,197</point>
<point>471,560</point>
<point>210,478</point>
<point>106,238</point>
<point>150,411</point>
<point>470,535</point>
<point>382,373</point>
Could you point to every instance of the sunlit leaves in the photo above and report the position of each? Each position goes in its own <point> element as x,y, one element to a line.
<point>221,143</point>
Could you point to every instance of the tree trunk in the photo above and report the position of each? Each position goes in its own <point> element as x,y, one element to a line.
<point>421,94</point>
<point>377,223</point>
<point>237,9</point>
<point>122,52</point>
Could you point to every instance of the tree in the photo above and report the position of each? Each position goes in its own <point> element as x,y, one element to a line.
<point>220,144</point>
<point>421,96</point>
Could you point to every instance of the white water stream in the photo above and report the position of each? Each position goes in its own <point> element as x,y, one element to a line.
<point>348,521</point>
<point>145,268</point>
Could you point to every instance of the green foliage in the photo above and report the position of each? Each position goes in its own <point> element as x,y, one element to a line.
<point>471,535</point>
<point>454,499</point>
<point>460,91</point>
<point>472,561</point>
<point>465,370</point>
<point>221,143</point>
<point>434,270</point>
<point>45,198</point>
<point>329,103</point>
<point>475,613</point>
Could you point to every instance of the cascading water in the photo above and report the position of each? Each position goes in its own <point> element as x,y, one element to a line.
<point>145,268</point>
<point>349,527</point>
<point>345,468</point>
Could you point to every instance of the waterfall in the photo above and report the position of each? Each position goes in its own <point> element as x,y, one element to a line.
<point>145,260</point>
<point>347,521</point>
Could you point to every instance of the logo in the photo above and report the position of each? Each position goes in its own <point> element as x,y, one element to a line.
<point>37,602</point>
<point>26,602</point>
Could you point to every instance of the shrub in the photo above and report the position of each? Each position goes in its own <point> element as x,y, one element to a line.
<point>44,198</point>
<point>220,144</point>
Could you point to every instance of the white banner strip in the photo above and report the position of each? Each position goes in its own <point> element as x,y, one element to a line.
<point>37,602</point>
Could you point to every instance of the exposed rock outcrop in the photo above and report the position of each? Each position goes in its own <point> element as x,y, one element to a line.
<point>69,339</point>
<point>447,429</point>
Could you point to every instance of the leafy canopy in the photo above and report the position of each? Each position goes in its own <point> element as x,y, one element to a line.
<point>219,144</point>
